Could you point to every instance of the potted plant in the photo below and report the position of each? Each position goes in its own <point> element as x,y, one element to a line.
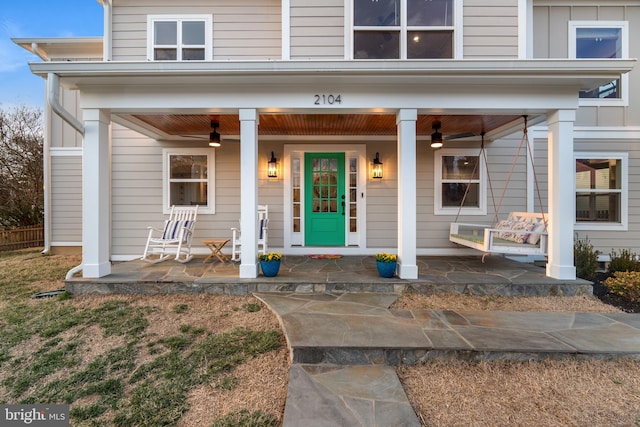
<point>270,263</point>
<point>386,264</point>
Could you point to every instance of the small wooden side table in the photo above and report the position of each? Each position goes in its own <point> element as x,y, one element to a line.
<point>215,246</point>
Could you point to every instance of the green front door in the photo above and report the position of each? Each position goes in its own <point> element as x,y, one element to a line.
<point>324,199</point>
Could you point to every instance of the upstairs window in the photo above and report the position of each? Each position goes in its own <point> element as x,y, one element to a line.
<point>605,40</point>
<point>403,29</point>
<point>179,38</point>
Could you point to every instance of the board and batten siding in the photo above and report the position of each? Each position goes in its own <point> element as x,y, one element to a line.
<point>551,40</point>
<point>490,29</point>
<point>317,29</point>
<point>66,199</point>
<point>242,29</point>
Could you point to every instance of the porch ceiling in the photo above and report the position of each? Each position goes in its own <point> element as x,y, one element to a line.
<point>325,124</point>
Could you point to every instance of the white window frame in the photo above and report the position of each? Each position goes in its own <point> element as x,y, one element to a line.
<point>438,209</point>
<point>208,34</point>
<point>623,101</point>
<point>210,153</point>
<point>456,29</point>
<point>623,225</point>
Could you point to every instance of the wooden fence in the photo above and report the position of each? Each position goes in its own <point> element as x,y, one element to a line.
<point>22,237</point>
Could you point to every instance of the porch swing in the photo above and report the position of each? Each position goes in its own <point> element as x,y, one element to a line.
<point>522,233</point>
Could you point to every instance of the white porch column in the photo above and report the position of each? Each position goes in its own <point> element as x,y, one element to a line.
<point>249,193</point>
<point>406,121</point>
<point>561,195</point>
<point>96,194</point>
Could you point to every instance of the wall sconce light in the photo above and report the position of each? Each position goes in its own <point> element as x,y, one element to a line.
<point>376,168</point>
<point>272,167</point>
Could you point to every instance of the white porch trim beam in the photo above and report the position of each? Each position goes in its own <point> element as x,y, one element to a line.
<point>96,194</point>
<point>406,121</point>
<point>249,193</point>
<point>561,195</point>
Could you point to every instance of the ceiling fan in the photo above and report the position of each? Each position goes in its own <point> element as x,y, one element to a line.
<point>437,140</point>
<point>215,139</point>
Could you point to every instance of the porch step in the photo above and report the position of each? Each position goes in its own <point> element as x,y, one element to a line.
<point>359,329</point>
<point>349,274</point>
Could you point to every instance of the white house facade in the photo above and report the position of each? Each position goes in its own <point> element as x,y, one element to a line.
<point>328,89</point>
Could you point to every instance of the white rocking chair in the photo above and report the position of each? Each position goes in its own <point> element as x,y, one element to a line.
<point>263,222</point>
<point>174,237</point>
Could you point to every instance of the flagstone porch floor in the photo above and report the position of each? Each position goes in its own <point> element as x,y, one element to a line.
<point>497,275</point>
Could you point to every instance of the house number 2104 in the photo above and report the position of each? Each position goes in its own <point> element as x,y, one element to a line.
<point>327,99</point>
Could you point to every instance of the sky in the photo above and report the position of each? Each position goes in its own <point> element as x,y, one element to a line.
<point>38,18</point>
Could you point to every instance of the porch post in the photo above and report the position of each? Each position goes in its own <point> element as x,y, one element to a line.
<point>249,193</point>
<point>406,121</point>
<point>96,194</point>
<point>562,196</point>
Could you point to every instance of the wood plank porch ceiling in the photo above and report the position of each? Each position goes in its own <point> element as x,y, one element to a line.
<point>325,124</point>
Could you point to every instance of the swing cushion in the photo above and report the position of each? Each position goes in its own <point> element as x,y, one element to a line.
<point>534,238</point>
<point>517,230</point>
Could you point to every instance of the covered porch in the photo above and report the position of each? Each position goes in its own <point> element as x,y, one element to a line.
<point>311,274</point>
<point>411,93</point>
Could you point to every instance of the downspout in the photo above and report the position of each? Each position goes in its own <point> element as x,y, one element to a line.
<point>53,98</point>
<point>107,39</point>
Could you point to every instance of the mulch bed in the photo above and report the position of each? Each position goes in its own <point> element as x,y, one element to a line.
<point>601,292</point>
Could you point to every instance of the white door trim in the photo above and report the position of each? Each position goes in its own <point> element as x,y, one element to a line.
<point>296,240</point>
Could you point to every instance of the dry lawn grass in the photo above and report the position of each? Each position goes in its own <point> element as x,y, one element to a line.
<point>257,384</point>
<point>502,393</point>
<point>510,393</point>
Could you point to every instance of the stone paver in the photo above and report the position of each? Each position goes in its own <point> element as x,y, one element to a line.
<point>352,338</point>
<point>302,274</point>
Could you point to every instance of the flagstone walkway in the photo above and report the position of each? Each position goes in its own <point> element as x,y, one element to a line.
<point>343,347</point>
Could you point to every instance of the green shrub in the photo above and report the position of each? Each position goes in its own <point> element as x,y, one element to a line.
<point>585,259</point>
<point>626,284</point>
<point>625,261</point>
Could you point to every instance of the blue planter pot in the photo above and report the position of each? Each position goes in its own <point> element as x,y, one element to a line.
<point>270,268</point>
<point>386,269</point>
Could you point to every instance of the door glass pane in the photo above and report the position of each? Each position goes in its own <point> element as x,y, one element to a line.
<point>376,44</point>
<point>429,44</point>
<point>165,32</point>
<point>381,13</point>
<point>193,32</point>
<point>429,13</point>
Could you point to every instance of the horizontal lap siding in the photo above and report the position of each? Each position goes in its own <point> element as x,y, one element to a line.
<point>317,29</point>
<point>66,199</point>
<point>604,241</point>
<point>490,29</point>
<point>433,230</point>
<point>247,29</point>
<point>137,191</point>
